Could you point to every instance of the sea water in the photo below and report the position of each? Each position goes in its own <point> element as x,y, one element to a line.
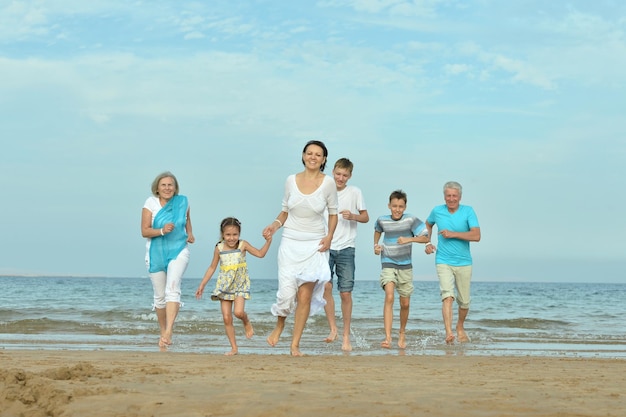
<point>506,318</point>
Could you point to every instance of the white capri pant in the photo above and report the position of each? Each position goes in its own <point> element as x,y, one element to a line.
<point>166,284</point>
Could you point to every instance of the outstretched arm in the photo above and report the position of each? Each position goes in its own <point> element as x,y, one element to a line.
<point>209,272</point>
<point>259,253</point>
<point>278,222</point>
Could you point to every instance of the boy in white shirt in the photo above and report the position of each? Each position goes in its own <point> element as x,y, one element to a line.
<point>351,211</point>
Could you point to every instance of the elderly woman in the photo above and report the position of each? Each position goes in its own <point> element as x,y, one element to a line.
<point>303,266</point>
<point>166,225</point>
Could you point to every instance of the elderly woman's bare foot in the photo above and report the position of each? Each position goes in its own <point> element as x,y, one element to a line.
<point>233,352</point>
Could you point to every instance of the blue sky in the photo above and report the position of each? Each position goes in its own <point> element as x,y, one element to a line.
<point>522,102</point>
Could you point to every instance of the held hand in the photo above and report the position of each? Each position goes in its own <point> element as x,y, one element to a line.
<point>199,292</point>
<point>268,232</point>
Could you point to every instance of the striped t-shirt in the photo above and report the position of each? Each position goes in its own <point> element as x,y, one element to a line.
<point>395,255</point>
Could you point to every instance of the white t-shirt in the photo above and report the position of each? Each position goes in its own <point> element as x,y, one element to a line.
<point>350,198</point>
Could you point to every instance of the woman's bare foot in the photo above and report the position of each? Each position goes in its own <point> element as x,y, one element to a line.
<point>249,329</point>
<point>386,344</point>
<point>402,340</point>
<point>274,337</point>
<point>233,352</point>
<point>332,336</point>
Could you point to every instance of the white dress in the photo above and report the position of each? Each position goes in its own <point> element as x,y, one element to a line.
<point>299,258</point>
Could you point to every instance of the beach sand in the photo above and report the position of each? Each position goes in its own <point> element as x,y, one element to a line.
<point>113,383</point>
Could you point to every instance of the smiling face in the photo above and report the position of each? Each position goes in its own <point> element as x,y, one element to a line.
<point>166,188</point>
<point>452,198</point>
<point>313,157</point>
<point>341,175</point>
<point>230,235</point>
<point>397,207</point>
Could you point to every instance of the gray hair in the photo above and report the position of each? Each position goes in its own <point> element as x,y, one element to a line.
<point>453,185</point>
<point>155,183</point>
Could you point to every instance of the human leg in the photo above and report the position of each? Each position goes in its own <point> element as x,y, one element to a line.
<point>303,308</point>
<point>446,287</point>
<point>345,266</point>
<point>388,313</point>
<point>274,337</point>
<point>229,328</point>
<point>158,280</point>
<point>240,313</point>
<point>463,276</point>
<point>329,309</point>
<point>405,303</point>
<point>405,289</point>
<point>346,312</point>
<point>446,312</point>
<point>174,275</point>
<point>460,325</point>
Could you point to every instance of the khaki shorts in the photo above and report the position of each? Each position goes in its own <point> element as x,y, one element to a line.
<point>402,278</point>
<point>457,278</point>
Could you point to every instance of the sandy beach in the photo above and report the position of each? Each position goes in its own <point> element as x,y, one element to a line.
<point>112,383</point>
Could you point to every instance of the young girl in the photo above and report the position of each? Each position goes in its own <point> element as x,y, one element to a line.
<point>233,283</point>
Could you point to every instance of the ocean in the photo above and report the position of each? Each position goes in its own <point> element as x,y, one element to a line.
<point>506,318</point>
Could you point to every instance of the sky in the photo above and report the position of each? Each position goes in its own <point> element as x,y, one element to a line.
<point>522,102</point>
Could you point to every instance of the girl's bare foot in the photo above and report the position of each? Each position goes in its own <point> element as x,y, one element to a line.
<point>402,340</point>
<point>249,329</point>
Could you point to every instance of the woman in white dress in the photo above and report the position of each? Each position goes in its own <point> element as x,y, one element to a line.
<point>303,267</point>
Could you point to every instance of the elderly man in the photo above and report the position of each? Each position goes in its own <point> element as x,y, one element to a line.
<point>457,226</point>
